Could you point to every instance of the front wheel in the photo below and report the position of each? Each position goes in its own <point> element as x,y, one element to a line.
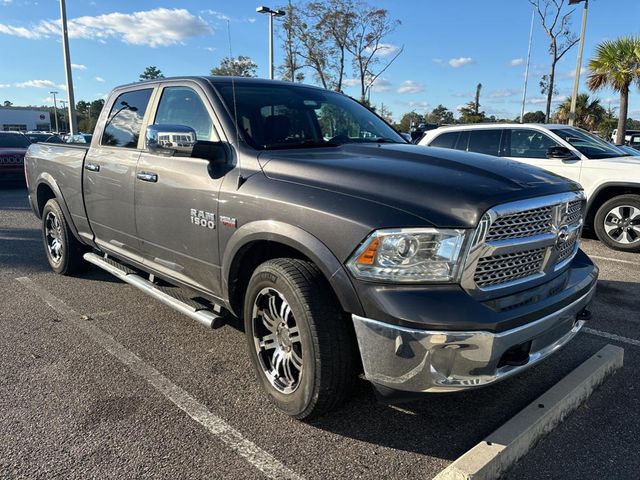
<point>299,340</point>
<point>617,223</point>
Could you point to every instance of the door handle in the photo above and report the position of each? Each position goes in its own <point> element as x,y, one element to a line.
<point>147,177</point>
<point>92,167</point>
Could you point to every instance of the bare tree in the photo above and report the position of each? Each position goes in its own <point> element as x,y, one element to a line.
<point>370,27</point>
<point>293,65</point>
<point>316,50</point>
<point>557,25</point>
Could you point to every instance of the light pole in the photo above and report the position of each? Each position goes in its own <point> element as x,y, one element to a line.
<point>576,82</point>
<point>271,13</point>
<point>526,70</point>
<point>73,120</point>
<point>55,110</point>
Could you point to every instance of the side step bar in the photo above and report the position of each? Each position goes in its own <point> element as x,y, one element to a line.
<point>176,300</point>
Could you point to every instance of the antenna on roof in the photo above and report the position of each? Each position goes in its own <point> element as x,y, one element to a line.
<point>241,179</point>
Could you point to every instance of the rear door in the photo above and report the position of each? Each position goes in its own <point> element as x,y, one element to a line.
<point>177,197</point>
<point>109,174</point>
<point>530,146</point>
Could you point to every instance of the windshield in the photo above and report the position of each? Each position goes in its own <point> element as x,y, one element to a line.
<point>589,145</point>
<point>13,140</point>
<point>273,116</point>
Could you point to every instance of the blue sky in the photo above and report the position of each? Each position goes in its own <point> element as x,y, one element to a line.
<point>448,48</point>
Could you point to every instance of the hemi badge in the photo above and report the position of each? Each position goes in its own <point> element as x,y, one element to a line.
<point>228,221</point>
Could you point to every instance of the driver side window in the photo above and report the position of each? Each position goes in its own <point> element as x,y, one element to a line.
<point>527,143</point>
<point>183,106</point>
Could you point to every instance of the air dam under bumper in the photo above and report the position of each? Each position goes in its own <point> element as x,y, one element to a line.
<point>439,361</point>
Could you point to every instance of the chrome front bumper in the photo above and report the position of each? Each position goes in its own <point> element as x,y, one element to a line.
<point>436,361</point>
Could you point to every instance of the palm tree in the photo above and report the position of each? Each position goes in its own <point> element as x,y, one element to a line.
<point>589,113</point>
<point>616,65</point>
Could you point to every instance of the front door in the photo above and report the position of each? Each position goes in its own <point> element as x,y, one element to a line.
<point>530,146</point>
<point>177,197</point>
<point>109,173</point>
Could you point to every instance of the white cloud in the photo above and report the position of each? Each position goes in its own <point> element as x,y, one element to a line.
<point>381,85</point>
<point>78,66</point>
<point>7,2</point>
<point>516,61</point>
<point>5,85</point>
<point>351,82</point>
<point>504,93</point>
<point>572,73</point>
<point>542,100</point>
<point>439,61</point>
<point>158,27</point>
<point>418,105</point>
<point>39,84</point>
<point>460,61</point>
<point>100,79</point>
<point>410,86</point>
<point>217,15</point>
<point>210,49</point>
<point>251,20</point>
<point>385,49</point>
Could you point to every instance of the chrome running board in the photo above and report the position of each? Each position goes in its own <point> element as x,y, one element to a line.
<point>173,297</point>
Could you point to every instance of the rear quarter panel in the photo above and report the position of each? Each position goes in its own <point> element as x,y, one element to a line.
<point>60,167</point>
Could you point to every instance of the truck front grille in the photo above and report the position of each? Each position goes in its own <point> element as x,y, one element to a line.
<point>522,224</point>
<point>524,240</point>
<point>499,269</point>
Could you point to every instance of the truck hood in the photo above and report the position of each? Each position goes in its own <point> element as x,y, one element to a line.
<point>445,188</point>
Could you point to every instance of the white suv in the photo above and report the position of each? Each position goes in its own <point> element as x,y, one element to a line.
<point>610,177</point>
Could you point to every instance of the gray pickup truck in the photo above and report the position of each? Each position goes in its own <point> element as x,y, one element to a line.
<point>344,249</point>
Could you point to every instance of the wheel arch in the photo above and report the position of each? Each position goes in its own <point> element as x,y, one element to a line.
<point>606,192</point>
<point>46,189</point>
<point>260,241</point>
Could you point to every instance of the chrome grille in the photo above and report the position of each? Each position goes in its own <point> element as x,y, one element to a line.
<point>574,212</point>
<point>523,240</point>
<point>522,224</point>
<point>499,269</point>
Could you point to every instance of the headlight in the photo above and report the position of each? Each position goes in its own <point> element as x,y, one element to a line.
<point>409,255</point>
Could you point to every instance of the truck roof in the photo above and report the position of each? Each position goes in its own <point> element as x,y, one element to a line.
<point>220,80</point>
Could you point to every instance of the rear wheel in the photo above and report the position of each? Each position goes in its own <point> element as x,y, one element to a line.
<point>299,341</point>
<point>64,251</point>
<point>617,223</point>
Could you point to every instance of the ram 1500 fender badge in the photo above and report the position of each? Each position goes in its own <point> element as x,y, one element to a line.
<point>203,219</point>
<point>228,221</point>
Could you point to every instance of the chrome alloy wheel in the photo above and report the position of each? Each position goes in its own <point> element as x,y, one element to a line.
<point>276,337</point>
<point>622,224</point>
<point>53,236</point>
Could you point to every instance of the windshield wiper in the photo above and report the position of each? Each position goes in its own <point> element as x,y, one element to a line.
<point>303,144</point>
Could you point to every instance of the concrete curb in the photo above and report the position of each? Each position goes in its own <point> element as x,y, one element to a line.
<point>504,447</point>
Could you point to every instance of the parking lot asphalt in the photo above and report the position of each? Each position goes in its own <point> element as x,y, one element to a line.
<point>69,408</point>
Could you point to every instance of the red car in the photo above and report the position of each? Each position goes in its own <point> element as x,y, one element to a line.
<point>13,146</point>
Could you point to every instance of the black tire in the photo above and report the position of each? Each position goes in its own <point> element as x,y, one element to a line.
<point>603,221</point>
<point>325,338</point>
<point>66,257</point>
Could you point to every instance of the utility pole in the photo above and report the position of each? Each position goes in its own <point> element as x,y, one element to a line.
<point>271,13</point>
<point>55,110</point>
<point>526,71</point>
<point>576,81</point>
<point>73,120</point>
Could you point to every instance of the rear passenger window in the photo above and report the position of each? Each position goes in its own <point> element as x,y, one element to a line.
<point>125,119</point>
<point>527,143</point>
<point>485,141</point>
<point>463,141</point>
<point>446,140</point>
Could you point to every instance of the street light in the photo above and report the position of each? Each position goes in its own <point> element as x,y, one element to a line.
<point>576,82</point>
<point>55,110</point>
<point>271,13</point>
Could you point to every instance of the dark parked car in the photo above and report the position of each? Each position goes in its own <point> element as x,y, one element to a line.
<point>13,146</point>
<point>339,244</point>
<point>43,137</point>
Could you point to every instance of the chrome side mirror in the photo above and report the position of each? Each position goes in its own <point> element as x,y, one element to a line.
<point>170,140</point>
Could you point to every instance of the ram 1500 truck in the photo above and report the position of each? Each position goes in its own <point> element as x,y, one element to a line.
<point>343,248</point>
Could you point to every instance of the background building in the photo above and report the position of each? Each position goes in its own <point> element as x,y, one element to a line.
<point>22,119</point>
